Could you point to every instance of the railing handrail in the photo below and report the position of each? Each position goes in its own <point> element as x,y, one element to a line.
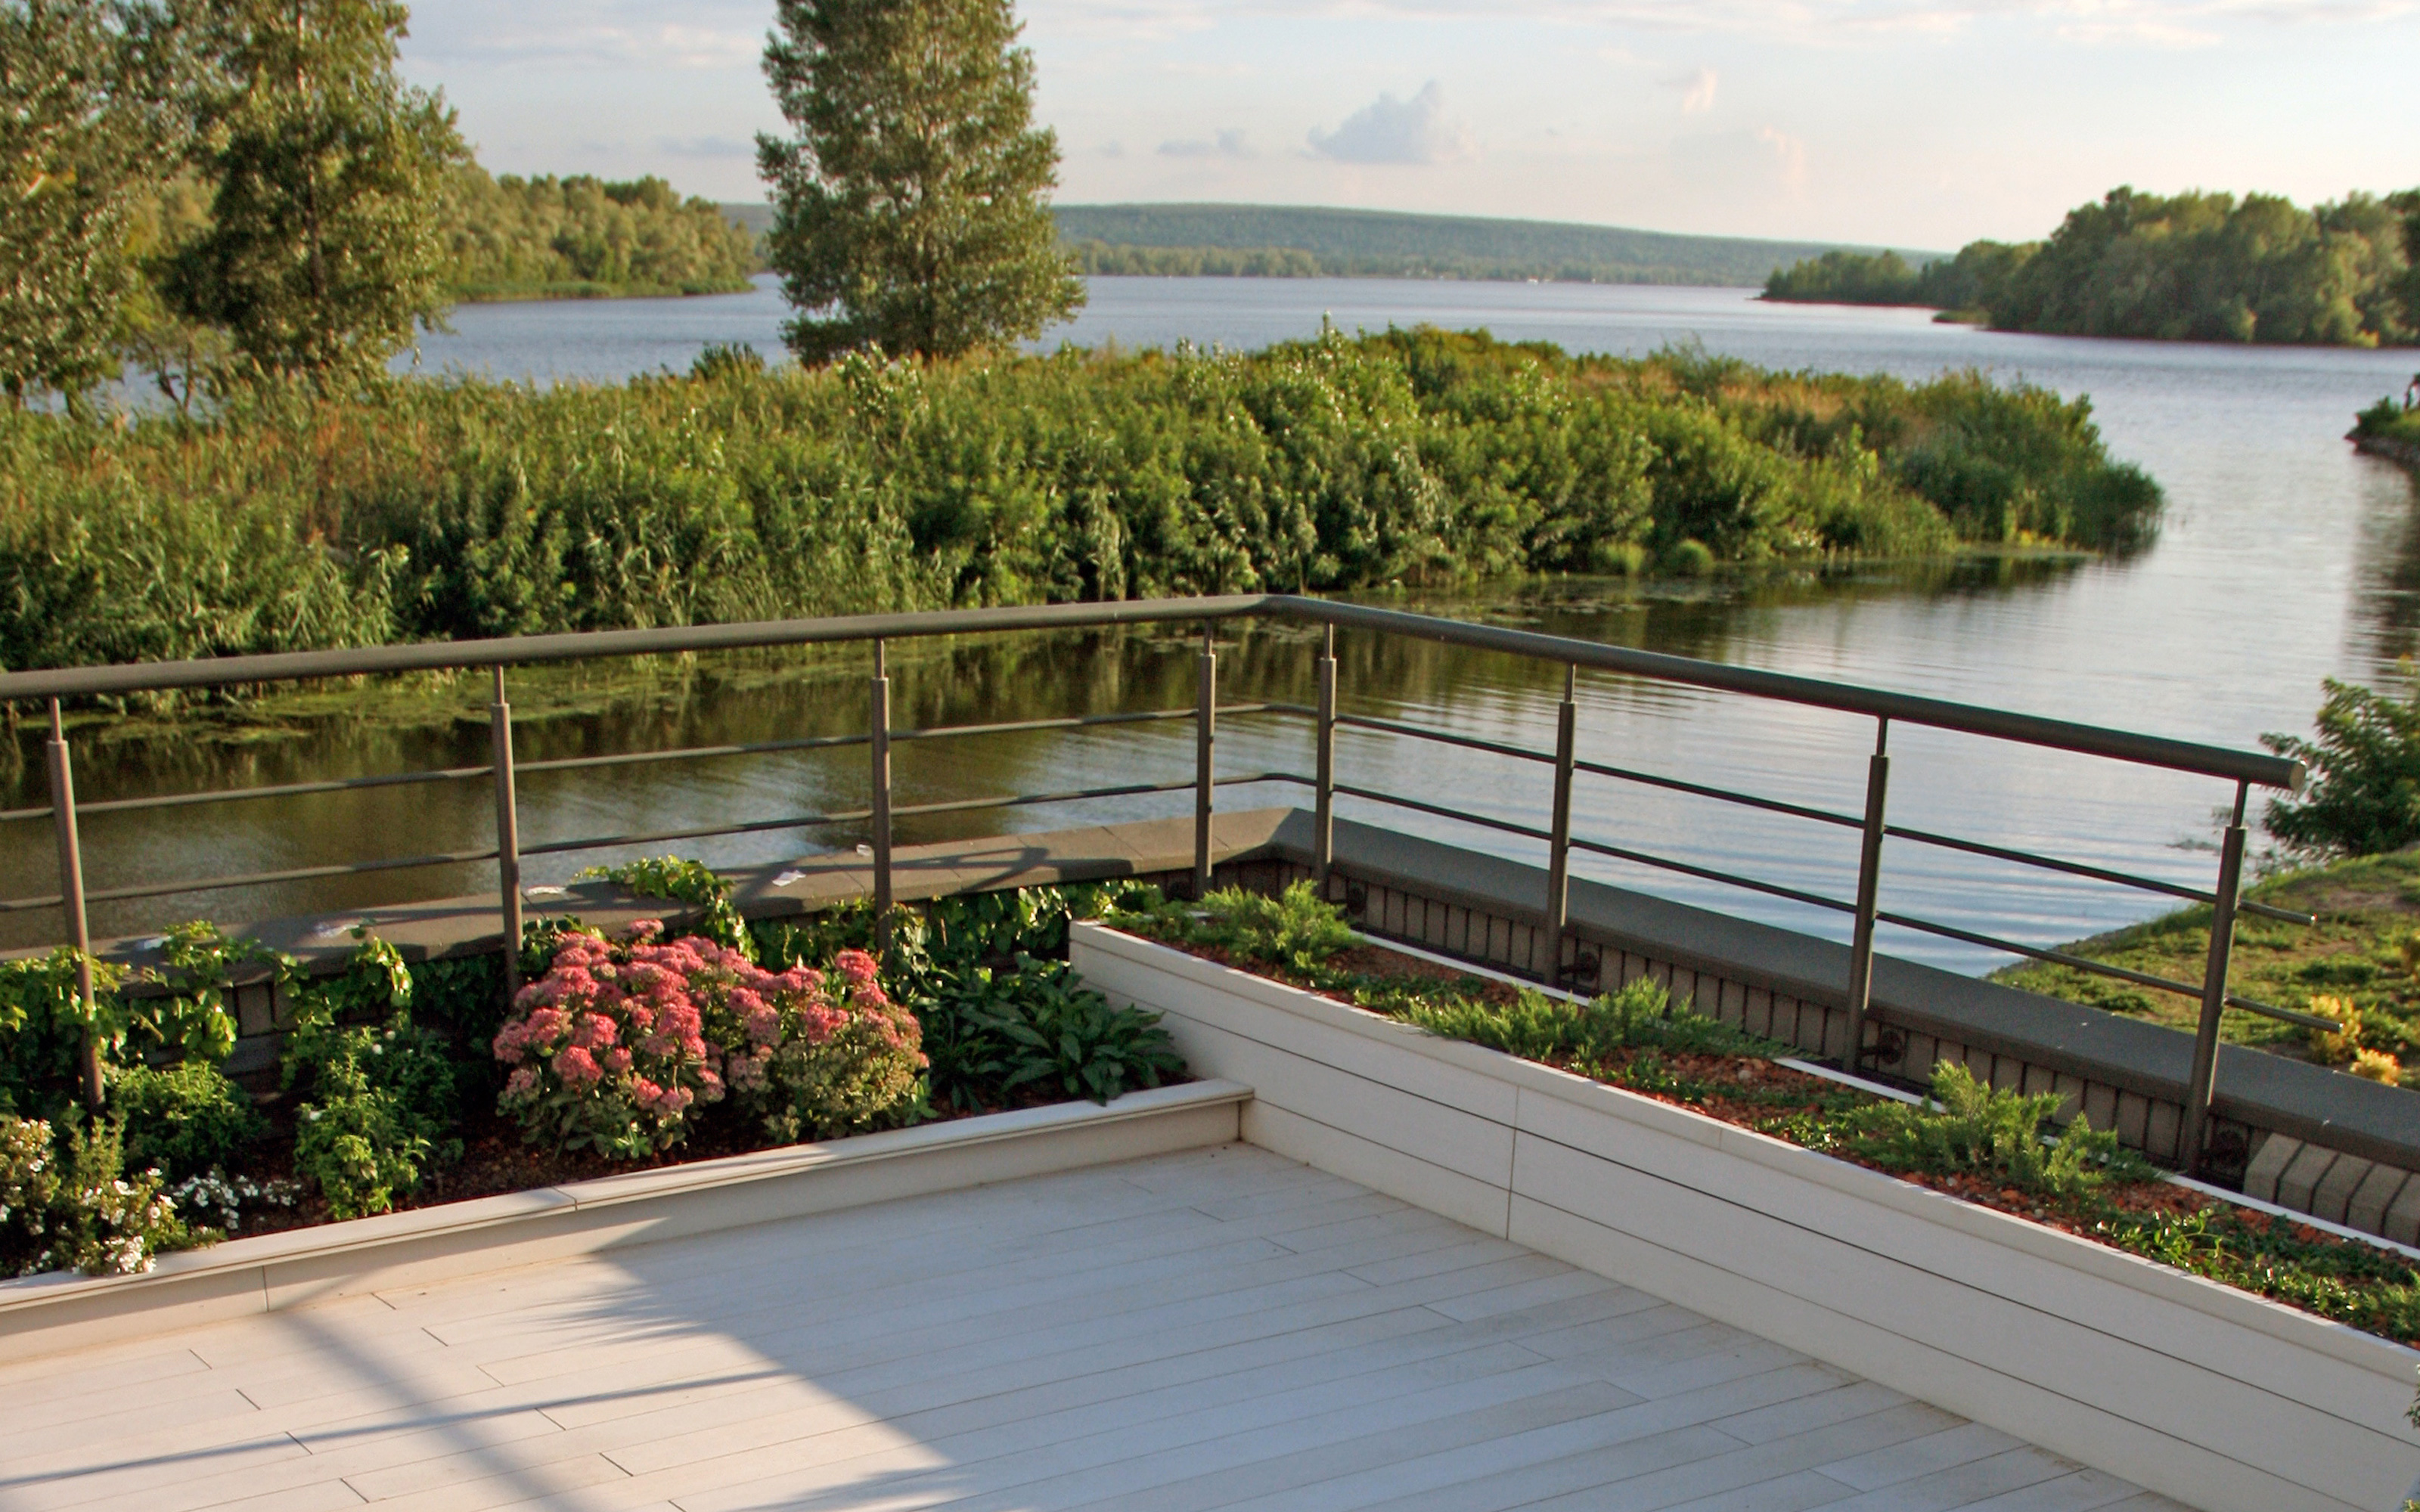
<point>2258,768</point>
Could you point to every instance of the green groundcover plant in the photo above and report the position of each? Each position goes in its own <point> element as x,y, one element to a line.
<point>1968,1138</point>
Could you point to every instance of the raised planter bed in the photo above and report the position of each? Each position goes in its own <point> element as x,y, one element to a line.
<point>55,1313</point>
<point>2220,1399</point>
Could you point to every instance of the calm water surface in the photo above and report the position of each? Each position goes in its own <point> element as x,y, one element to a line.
<point>2284,558</point>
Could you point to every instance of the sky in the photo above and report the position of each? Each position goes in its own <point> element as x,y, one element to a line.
<point>1913,123</point>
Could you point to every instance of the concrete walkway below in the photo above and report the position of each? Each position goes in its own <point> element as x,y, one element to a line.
<point>1216,1329</point>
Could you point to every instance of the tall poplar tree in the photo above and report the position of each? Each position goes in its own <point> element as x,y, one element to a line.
<point>323,248</point>
<point>69,197</point>
<point>910,210</point>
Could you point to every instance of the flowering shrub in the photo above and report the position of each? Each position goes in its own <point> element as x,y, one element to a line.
<point>618,1045</point>
<point>822,1053</point>
<point>68,1204</point>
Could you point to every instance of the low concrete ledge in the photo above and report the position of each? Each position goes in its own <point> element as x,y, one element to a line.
<point>2218,1398</point>
<point>52,1313</point>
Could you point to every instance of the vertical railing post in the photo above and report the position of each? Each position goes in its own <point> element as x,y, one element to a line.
<point>63,824</point>
<point>1558,854</point>
<point>1870,877</point>
<point>1205,736</point>
<point>878,726</point>
<point>2193,1138</point>
<point>509,836</point>
<point>1323,823</point>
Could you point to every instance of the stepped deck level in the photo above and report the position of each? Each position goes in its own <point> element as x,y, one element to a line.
<point>1217,1328</point>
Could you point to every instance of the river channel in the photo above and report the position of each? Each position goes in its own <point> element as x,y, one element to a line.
<point>2282,558</point>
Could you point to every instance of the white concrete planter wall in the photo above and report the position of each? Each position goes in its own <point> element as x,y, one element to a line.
<point>2217,1398</point>
<point>54,1313</point>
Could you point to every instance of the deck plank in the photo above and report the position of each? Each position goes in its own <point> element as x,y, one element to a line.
<point>1218,1329</point>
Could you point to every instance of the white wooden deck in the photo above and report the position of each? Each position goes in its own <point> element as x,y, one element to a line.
<point>1218,1329</point>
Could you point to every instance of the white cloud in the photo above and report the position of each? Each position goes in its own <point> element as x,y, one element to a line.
<point>1789,157</point>
<point>1697,90</point>
<point>1391,131</point>
<point>1228,144</point>
<point>681,34</point>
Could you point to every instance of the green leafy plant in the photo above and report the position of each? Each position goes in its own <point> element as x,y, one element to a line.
<point>2364,756</point>
<point>44,1025</point>
<point>1298,931</point>
<point>822,935</point>
<point>687,881</point>
<point>1538,1027</point>
<point>186,1119</point>
<point>191,1015</point>
<point>1062,1036</point>
<point>966,1054</point>
<point>68,1203</point>
<point>380,1100</point>
<point>1973,1129</point>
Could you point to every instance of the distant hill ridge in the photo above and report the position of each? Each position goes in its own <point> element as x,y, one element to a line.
<point>1311,241</point>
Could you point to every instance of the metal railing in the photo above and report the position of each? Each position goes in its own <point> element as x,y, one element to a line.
<point>2244,769</point>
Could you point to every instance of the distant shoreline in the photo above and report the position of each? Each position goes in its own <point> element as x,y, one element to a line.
<point>536,293</point>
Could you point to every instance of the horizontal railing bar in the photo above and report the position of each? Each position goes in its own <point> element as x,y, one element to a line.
<point>654,837</point>
<point>222,672</point>
<point>1905,708</point>
<point>1726,795</point>
<point>1020,726</point>
<point>1443,738</point>
<point>306,874</point>
<point>1078,795</point>
<point>575,763</point>
<point>1226,711</point>
<point>2283,1015</point>
<point>850,816</point>
<point>1709,874</point>
<point>283,790</point>
<point>641,758</point>
<point>1444,812</point>
<point>2102,968</point>
<point>2079,869</point>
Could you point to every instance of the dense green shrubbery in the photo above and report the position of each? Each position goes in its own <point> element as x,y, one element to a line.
<point>438,510</point>
<point>184,1118</point>
<point>378,1100</point>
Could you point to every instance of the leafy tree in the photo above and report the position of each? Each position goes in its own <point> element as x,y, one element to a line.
<point>2364,794</point>
<point>908,200</point>
<point>323,248</point>
<point>581,235</point>
<point>68,166</point>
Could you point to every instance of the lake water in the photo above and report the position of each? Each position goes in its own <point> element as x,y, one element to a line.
<point>2284,558</point>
